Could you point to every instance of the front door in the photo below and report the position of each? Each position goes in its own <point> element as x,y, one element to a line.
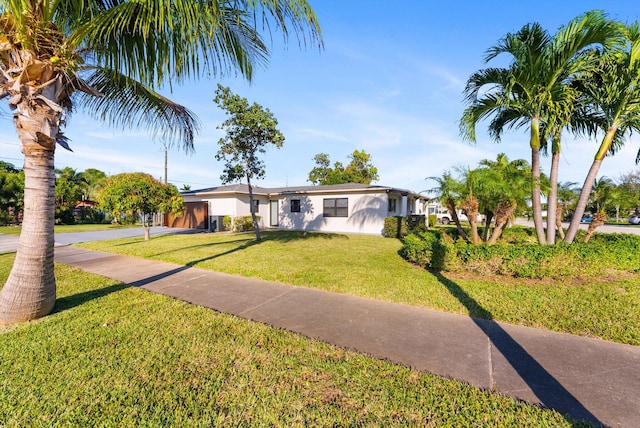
<point>273,220</point>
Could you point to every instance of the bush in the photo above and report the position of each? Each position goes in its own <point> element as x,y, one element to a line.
<point>433,220</point>
<point>243,224</point>
<point>395,227</point>
<point>226,222</point>
<point>605,254</point>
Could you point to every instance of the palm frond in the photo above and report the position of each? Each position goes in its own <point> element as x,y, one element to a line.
<point>126,103</point>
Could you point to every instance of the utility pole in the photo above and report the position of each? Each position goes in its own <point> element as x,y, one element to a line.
<point>165,164</point>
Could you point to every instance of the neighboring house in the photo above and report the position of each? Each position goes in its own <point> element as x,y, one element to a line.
<point>348,208</point>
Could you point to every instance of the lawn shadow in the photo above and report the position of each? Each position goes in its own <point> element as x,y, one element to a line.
<point>547,389</point>
<point>70,302</point>
<point>245,240</point>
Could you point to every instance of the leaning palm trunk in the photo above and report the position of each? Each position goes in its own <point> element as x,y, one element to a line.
<point>503,213</point>
<point>451,206</point>
<point>588,185</point>
<point>598,220</point>
<point>552,201</point>
<point>470,209</point>
<point>488,217</point>
<point>30,290</point>
<point>559,222</point>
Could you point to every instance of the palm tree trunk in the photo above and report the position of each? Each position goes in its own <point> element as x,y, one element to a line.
<point>30,290</point>
<point>552,200</point>
<point>559,222</point>
<point>451,206</point>
<point>256,227</point>
<point>588,185</point>
<point>504,212</point>
<point>536,205</point>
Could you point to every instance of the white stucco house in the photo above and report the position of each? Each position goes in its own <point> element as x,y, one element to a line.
<point>345,208</point>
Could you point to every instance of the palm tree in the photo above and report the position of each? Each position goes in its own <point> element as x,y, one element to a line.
<point>111,57</point>
<point>447,191</point>
<point>533,90</point>
<point>614,91</point>
<point>504,187</point>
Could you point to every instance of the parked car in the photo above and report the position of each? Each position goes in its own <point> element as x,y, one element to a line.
<point>586,218</point>
<point>634,219</point>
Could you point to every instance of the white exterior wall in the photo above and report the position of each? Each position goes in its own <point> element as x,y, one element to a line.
<point>366,213</point>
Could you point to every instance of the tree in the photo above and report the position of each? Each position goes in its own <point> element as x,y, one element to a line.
<point>630,182</point>
<point>68,192</point>
<point>140,195</point>
<point>249,130</point>
<point>111,58</point>
<point>11,193</point>
<point>93,180</point>
<point>614,92</point>
<point>359,170</point>
<point>533,90</point>
<point>448,191</point>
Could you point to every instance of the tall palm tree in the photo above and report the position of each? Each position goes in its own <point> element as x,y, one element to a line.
<point>533,89</point>
<point>111,57</point>
<point>614,91</point>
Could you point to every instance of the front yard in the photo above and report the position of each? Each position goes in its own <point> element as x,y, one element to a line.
<point>370,266</point>
<point>113,355</point>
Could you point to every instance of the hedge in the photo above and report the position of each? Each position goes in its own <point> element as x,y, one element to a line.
<point>604,254</point>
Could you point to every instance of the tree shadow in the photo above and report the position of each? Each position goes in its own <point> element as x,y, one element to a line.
<point>547,389</point>
<point>70,302</point>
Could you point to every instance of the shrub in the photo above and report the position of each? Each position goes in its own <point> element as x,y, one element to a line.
<point>243,224</point>
<point>433,220</point>
<point>604,254</point>
<point>226,222</point>
<point>395,227</point>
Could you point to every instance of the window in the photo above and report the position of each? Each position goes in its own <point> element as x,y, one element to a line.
<point>295,205</point>
<point>392,205</point>
<point>256,206</point>
<point>336,207</point>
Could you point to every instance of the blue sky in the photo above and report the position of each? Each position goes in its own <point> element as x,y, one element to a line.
<point>389,81</point>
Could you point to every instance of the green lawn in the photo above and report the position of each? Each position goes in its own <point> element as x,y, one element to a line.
<point>112,355</point>
<point>68,228</point>
<point>369,266</point>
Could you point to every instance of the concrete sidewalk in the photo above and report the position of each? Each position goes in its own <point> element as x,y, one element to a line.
<point>586,378</point>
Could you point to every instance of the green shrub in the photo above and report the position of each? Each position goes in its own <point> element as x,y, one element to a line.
<point>433,220</point>
<point>244,223</point>
<point>226,222</point>
<point>395,227</point>
<point>605,254</point>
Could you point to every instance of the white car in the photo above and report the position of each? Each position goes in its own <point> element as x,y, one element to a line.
<point>634,219</point>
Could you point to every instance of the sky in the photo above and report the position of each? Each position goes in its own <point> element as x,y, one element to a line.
<point>388,81</point>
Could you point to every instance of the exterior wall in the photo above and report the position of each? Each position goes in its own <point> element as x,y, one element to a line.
<point>366,213</point>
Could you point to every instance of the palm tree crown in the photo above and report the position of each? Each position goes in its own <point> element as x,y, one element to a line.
<point>111,57</point>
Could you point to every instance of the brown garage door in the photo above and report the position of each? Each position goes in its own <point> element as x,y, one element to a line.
<point>195,216</point>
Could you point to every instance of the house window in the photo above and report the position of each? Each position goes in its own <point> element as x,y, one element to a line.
<point>392,205</point>
<point>256,206</point>
<point>295,205</point>
<point>336,207</point>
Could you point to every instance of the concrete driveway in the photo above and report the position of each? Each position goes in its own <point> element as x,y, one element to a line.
<point>9,243</point>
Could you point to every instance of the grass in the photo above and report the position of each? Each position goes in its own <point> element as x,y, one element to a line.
<point>112,355</point>
<point>68,228</point>
<point>370,266</point>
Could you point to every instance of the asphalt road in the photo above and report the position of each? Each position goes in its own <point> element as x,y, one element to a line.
<point>9,243</point>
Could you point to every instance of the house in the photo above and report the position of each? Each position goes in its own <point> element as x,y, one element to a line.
<point>346,208</point>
